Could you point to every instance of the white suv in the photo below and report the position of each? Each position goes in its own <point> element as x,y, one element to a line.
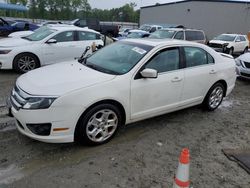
<point>230,43</point>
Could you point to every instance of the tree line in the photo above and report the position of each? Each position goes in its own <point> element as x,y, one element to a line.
<point>72,9</point>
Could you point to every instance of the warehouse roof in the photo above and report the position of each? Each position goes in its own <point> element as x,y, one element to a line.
<point>176,2</point>
<point>8,6</point>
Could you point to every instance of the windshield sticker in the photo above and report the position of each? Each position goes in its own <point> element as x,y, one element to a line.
<point>139,50</point>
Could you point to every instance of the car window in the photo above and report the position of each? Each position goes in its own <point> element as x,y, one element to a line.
<point>152,30</point>
<point>165,60</point>
<point>197,56</point>
<point>84,35</point>
<point>237,39</point>
<point>242,38</point>
<point>179,35</point>
<point>194,35</point>
<point>66,36</point>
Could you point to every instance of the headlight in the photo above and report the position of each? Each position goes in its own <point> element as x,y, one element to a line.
<point>38,103</point>
<point>225,44</point>
<point>238,62</point>
<point>5,51</point>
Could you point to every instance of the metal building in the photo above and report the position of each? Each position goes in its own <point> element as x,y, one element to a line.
<point>214,16</point>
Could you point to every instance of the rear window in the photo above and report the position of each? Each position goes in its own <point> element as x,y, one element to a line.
<point>194,35</point>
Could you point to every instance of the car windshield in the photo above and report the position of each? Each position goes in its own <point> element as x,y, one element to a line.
<point>40,34</point>
<point>225,37</point>
<point>162,34</point>
<point>117,58</point>
<point>145,27</point>
<point>135,35</point>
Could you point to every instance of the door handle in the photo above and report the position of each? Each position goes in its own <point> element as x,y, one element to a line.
<point>212,71</point>
<point>176,79</point>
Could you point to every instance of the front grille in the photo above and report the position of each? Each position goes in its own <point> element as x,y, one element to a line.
<point>214,45</point>
<point>247,64</point>
<point>245,74</point>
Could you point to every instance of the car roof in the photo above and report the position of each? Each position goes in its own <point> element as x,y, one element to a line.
<point>181,29</point>
<point>157,42</point>
<point>65,27</point>
<point>232,34</point>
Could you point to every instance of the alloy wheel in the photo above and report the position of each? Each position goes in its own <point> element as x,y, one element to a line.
<point>26,63</point>
<point>102,125</point>
<point>216,97</point>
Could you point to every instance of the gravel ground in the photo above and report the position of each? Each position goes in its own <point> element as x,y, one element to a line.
<point>144,154</point>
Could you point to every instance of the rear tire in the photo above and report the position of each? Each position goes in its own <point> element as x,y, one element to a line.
<point>214,97</point>
<point>99,125</point>
<point>25,62</point>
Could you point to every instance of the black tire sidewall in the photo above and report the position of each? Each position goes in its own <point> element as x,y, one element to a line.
<point>16,59</point>
<point>206,101</point>
<point>80,132</point>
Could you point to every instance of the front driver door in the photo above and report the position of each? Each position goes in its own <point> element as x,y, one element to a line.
<point>151,97</point>
<point>64,50</point>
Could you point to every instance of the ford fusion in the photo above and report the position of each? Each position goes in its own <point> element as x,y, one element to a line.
<point>125,82</point>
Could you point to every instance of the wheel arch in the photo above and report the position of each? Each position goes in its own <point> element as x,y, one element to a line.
<point>223,82</point>
<point>26,53</point>
<point>105,101</point>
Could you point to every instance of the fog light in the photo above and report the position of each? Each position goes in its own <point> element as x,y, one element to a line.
<point>42,129</point>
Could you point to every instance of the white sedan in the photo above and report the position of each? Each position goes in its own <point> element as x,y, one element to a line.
<point>45,46</point>
<point>243,65</point>
<point>125,82</point>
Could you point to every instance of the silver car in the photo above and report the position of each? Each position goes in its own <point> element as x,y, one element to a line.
<point>243,65</point>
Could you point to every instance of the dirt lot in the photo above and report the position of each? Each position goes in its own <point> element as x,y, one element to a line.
<point>142,155</point>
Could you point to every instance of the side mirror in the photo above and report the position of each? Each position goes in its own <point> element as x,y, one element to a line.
<point>51,41</point>
<point>149,73</point>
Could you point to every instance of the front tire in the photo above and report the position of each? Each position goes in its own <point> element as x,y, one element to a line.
<point>245,50</point>
<point>231,51</point>
<point>214,97</point>
<point>25,62</point>
<point>98,125</point>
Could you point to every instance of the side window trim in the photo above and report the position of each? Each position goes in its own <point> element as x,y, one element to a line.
<point>184,57</point>
<point>181,61</point>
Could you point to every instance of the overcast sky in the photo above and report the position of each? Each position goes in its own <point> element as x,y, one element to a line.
<point>108,4</point>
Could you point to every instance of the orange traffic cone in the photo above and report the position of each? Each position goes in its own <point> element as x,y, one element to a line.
<point>181,179</point>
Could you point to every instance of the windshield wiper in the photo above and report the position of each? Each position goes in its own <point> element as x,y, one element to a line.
<point>101,69</point>
<point>26,38</point>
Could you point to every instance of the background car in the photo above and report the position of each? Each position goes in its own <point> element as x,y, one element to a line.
<point>150,28</point>
<point>230,43</point>
<point>7,27</point>
<point>88,102</point>
<point>46,46</point>
<point>243,65</point>
<point>193,35</point>
<point>135,33</point>
<point>123,32</point>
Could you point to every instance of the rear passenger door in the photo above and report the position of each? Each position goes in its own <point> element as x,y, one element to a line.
<point>200,74</point>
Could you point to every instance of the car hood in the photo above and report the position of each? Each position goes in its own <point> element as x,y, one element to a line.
<point>13,42</point>
<point>245,57</point>
<point>20,34</point>
<point>219,41</point>
<point>61,78</point>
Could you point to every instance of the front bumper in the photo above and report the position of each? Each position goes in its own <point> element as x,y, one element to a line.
<point>243,72</point>
<point>6,61</point>
<point>63,119</point>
